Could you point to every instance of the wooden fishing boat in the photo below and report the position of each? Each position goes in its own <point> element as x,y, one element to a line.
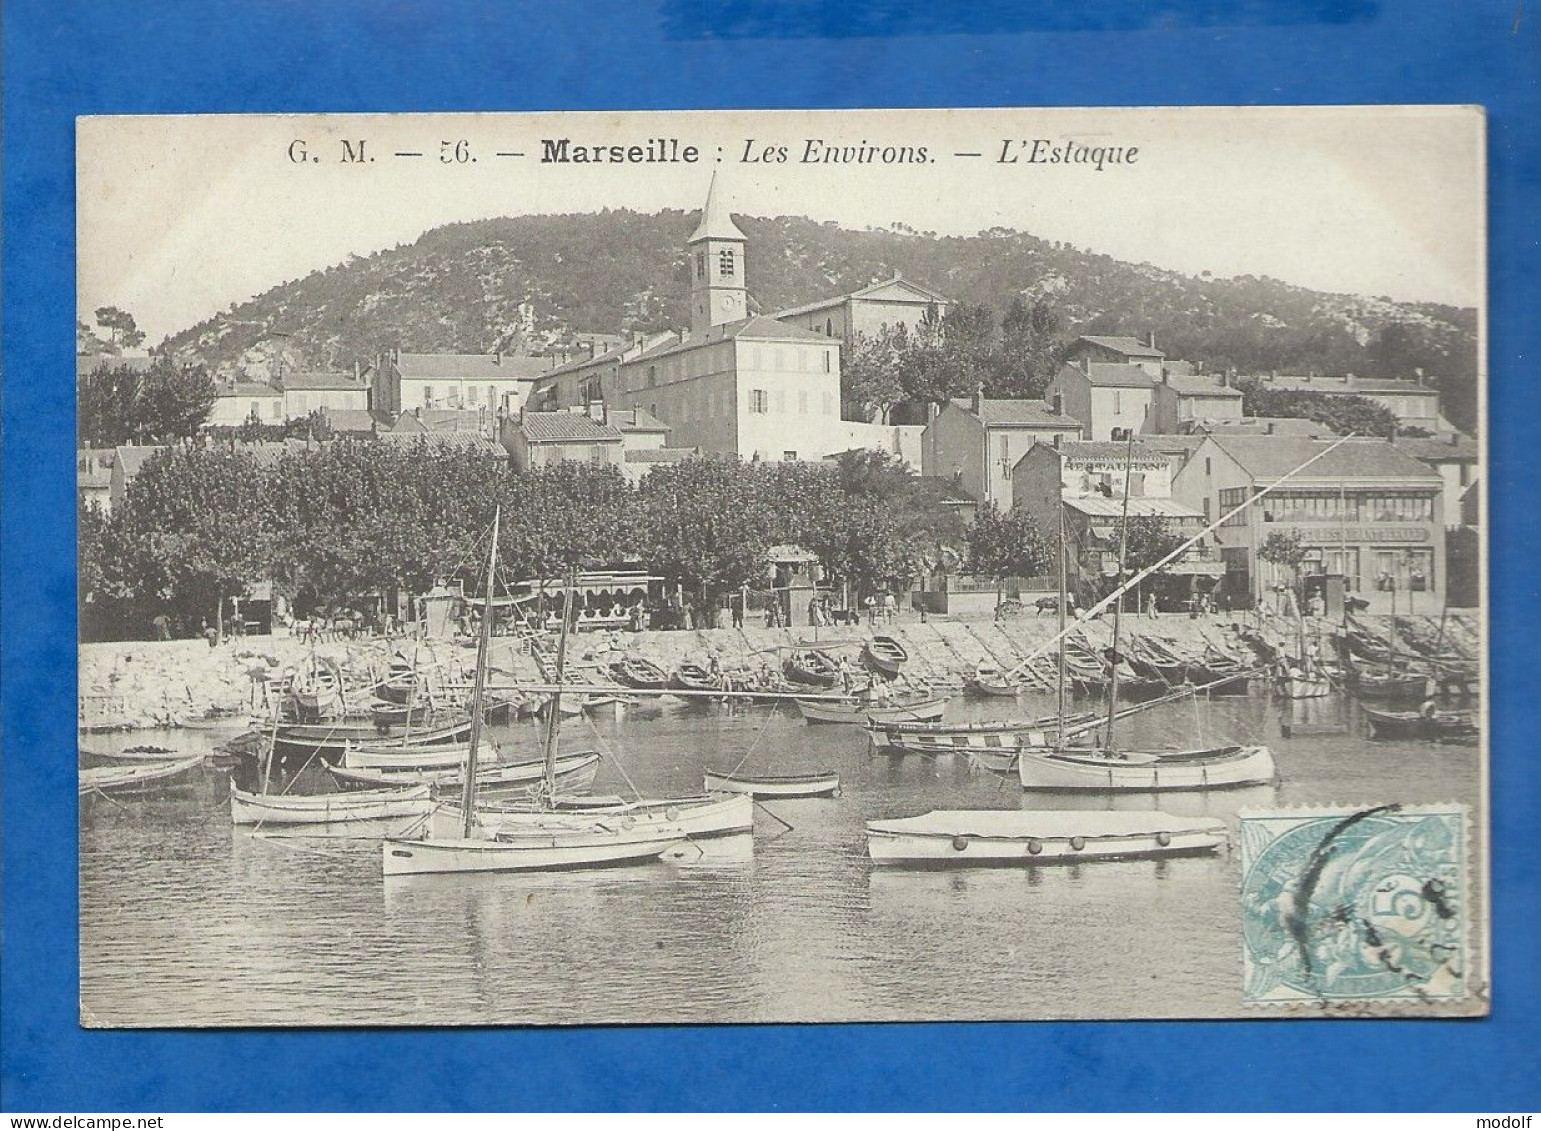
<point>329,808</point>
<point>1367,682</point>
<point>137,777</point>
<point>218,719</point>
<point>634,671</point>
<point>139,754</point>
<point>304,739</point>
<point>364,756</point>
<point>388,715</point>
<point>936,745</point>
<point>1111,771</point>
<point>884,655</point>
<point>871,711</point>
<point>397,685</point>
<point>820,783</point>
<point>691,676</point>
<point>539,851</point>
<point>989,681</point>
<point>574,773</point>
<point>812,667</point>
<point>699,818</point>
<point>1435,726</point>
<point>998,761</point>
<point>954,838</point>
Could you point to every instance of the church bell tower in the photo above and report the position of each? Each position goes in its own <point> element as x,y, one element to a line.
<point>718,284</point>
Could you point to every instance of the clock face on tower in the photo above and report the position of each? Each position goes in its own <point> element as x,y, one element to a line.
<point>726,302</point>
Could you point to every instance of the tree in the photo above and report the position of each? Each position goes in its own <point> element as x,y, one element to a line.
<point>872,371</point>
<point>1285,548</point>
<point>120,327</point>
<point>1006,545</point>
<point>119,404</point>
<point>1343,414</point>
<point>173,402</point>
<point>107,405</point>
<point>1029,352</point>
<point>1146,539</point>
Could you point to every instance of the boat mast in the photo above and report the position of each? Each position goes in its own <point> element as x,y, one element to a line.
<point>1060,667</point>
<point>1118,609</point>
<point>554,720</point>
<point>468,789</point>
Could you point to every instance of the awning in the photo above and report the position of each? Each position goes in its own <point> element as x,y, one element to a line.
<point>1195,569</point>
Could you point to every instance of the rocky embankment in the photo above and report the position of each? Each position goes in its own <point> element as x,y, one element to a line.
<point>173,683</point>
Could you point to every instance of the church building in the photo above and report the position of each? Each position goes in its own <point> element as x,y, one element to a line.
<point>736,383</point>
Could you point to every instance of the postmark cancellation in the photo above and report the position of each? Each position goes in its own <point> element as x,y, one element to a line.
<point>1366,907</point>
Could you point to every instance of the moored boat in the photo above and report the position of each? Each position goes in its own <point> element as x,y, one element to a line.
<point>137,777</point>
<point>812,667</point>
<point>362,756</point>
<point>989,681</point>
<point>698,818</point>
<point>539,851</point>
<point>1431,726</point>
<point>953,838</point>
<point>573,772</point>
<point>814,711</point>
<point>329,808</point>
<point>884,655</point>
<point>634,671</point>
<point>691,676</point>
<point>1390,683</point>
<point>1102,770</point>
<point>304,739</point>
<point>820,783</point>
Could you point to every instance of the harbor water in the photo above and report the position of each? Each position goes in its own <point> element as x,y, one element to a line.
<point>187,921</point>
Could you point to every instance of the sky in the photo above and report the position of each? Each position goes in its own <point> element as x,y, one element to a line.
<point>179,217</point>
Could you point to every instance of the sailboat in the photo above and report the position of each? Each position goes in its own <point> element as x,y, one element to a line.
<point>700,817</point>
<point>478,846</point>
<point>1104,767</point>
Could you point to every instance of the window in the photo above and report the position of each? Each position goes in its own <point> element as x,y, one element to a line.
<point>759,400</point>
<point>1118,402</point>
<point>492,396</point>
<point>1005,450</point>
<point>829,404</point>
<point>1136,484</point>
<point>254,411</point>
<point>700,264</point>
<point>299,402</point>
<point>790,457</point>
<point>781,400</point>
<point>828,355</point>
<point>802,402</point>
<point>276,410</point>
<point>1230,499</point>
<point>1420,570</point>
<point>725,263</point>
<point>829,332</point>
<point>598,455</point>
<point>471,395</point>
<point>652,376</point>
<point>427,396</point>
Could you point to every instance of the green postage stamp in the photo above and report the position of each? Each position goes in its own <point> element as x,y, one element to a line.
<point>1367,905</point>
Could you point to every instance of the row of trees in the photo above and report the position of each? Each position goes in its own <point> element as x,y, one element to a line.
<point>118,403</point>
<point>1343,414</point>
<point>951,355</point>
<point>345,519</point>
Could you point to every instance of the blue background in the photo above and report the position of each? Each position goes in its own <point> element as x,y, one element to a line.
<point>83,57</point>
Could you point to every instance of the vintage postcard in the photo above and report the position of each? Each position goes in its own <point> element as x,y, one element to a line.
<point>571,568</point>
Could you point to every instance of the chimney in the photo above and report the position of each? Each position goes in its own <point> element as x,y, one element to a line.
<point>1058,436</point>
<point>931,411</point>
<point>1057,403</point>
<point>1455,439</point>
<point>358,371</point>
<point>979,398</point>
<point>1086,366</point>
<point>1268,428</point>
<point>634,415</point>
<point>1150,339</point>
<point>497,356</point>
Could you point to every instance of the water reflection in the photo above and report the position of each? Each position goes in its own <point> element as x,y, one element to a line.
<point>187,920</point>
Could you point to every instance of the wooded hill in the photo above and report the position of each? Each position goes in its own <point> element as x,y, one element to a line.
<point>526,283</point>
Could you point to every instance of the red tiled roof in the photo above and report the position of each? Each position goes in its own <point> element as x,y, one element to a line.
<point>565,428</point>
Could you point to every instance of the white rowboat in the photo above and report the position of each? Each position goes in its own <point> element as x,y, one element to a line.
<point>695,817</point>
<point>137,777</point>
<point>329,808</point>
<point>927,710</point>
<point>822,783</point>
<point>528,852</point>
<point>1101,771</point>
<point>360,756</point>
<point>574,774</point>
<point>964,838</point>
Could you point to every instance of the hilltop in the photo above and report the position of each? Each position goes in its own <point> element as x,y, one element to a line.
<point>526,283</point>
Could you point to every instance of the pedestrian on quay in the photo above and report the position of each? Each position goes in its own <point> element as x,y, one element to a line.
<point>162,625</point>
<point>890,607</point>
<point>872,610</point>
<point>210,633</point>
<point>737,603</point>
